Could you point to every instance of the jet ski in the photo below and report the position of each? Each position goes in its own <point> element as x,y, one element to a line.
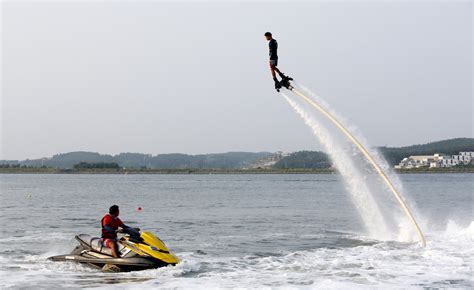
<point>138,251</point>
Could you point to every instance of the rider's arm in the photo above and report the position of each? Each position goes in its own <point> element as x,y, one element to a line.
<point>121,224</point>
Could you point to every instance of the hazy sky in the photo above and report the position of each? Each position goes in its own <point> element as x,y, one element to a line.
<point>157,77</point>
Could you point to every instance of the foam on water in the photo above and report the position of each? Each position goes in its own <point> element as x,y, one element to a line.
<point>384,264</point>
<point>445,262</point>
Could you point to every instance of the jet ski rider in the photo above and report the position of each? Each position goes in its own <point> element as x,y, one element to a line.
<point>111,225</point>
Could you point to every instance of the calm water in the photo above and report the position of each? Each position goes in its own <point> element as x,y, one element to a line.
<point>246,231</point>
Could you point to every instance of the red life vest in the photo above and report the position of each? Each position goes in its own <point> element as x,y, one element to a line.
<point>112,223</point>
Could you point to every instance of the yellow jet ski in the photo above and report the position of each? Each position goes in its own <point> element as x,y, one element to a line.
<point>138,251</point>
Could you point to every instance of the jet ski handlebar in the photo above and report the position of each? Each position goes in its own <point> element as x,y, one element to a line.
<point>130,231</point>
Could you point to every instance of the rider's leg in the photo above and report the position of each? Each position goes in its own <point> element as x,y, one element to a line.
<point>114,247</point>
<point>282,75</point>
<point>273,69</point>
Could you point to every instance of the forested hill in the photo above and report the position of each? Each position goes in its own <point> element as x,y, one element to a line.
<point>236,160</point>
<point>304,159</point>
<point>230,160</point>
<point>449,147</point>
<point>316,159</point>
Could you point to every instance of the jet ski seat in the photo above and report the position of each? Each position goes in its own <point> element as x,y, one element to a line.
<point>96,244</point>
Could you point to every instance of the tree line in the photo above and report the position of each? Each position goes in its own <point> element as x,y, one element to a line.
<point>98,165</point>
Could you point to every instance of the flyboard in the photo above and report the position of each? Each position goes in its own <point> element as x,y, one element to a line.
<point>287,84</point>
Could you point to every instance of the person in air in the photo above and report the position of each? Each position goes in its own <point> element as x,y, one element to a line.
<point>273,46</point>
<point>111,225</point>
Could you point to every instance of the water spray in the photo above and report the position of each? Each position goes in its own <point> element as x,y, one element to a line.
<point>369,157</point>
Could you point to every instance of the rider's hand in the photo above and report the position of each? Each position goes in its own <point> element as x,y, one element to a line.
<point>119,230</point>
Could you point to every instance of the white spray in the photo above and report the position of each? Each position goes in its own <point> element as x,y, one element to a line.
<point>360,193</point>
<point>357,184</point>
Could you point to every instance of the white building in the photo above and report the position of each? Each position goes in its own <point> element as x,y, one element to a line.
<point>464,158</point>
<point>417,161</point>
<point>436,160</point>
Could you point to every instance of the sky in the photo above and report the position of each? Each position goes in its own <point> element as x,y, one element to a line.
<point>157,77</point>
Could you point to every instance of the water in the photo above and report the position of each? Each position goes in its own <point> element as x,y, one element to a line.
<point>247,231</point>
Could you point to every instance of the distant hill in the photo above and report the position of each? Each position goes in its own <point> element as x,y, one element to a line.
<point>230,160</point>
<point>304,159</point>
<point>393,155</point>
<point>449,147</point>
<point>236,160</point>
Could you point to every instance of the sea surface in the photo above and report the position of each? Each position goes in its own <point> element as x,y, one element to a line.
<point>245,231</point>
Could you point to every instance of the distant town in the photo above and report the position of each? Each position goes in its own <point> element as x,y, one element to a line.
<point>437,160</point>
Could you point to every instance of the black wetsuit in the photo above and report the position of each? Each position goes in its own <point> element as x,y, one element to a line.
<point>273,45</point>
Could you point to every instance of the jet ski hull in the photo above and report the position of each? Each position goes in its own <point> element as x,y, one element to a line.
<point>98,260</point>
<point>124,264</point>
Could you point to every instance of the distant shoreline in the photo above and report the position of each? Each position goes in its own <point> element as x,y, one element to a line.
<point>215,171</point>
